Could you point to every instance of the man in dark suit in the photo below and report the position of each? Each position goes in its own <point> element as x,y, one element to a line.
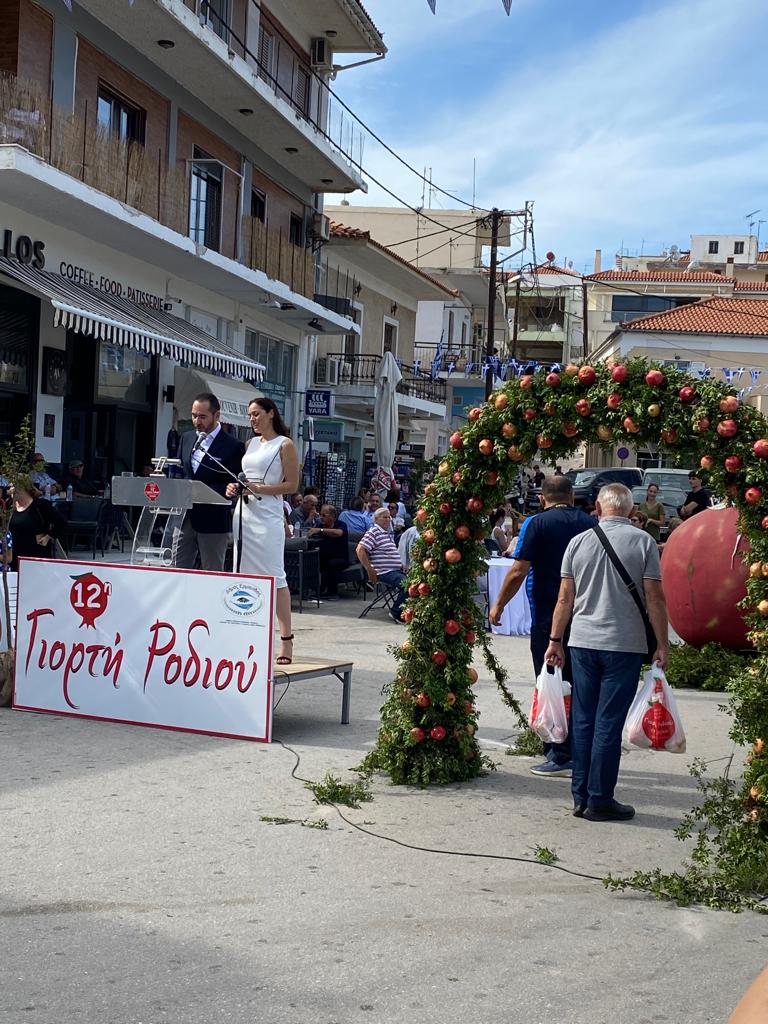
<point>206,528</point>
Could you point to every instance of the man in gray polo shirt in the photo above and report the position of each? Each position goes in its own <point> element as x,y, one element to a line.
<point>607,645</point>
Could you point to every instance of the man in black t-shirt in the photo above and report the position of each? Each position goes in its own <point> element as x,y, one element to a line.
<point>538,557</point>
<point>332,539</point>
<point>697,499</point>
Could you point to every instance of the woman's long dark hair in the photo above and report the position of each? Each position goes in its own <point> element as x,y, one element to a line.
<point>497,515</point>
<point>268,405</point>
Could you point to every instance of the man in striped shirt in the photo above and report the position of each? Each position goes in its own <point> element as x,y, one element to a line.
<point>378,556</point>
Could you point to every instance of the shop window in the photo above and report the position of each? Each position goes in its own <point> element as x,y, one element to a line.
<point>205,201</point>
<point>124,375</point>
<point>120,118</point>
<point>258,205</point>
<point>296,233</point>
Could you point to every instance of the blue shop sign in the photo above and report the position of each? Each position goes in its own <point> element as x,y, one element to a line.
<point>318,403</point>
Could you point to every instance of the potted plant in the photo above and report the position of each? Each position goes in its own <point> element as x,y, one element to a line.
<point>16,464</point>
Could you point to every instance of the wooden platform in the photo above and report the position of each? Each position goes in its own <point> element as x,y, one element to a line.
<point>313,668</point>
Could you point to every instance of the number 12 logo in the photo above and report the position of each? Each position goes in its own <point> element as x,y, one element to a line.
<point>89,597</point>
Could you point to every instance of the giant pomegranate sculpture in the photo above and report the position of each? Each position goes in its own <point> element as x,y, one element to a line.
<point>704,578</point>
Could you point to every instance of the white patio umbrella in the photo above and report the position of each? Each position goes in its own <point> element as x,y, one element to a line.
<point>386,420</point>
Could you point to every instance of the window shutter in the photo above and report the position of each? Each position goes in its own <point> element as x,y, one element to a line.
<point>266,52</point>
<point>301,88</point>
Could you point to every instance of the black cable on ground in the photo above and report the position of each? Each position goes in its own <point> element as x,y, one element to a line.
<point>427,849</point>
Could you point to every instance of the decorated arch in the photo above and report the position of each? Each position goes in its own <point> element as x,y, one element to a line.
<point>429,721</point>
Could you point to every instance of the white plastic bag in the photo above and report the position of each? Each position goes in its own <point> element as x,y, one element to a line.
<point>653,722</point>
<point>549,716</point>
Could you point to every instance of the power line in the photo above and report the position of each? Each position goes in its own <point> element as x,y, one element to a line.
<point>419,238</point>
<point>324,85</point>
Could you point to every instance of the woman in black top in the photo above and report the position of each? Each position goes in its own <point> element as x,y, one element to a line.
<point>35,523</point>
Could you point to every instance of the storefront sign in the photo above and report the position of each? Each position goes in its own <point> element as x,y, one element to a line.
<point>25,249</point>
<point>318,403</point>
<point>82,275</point>
<point>327,431</point>
<point>145,646</point>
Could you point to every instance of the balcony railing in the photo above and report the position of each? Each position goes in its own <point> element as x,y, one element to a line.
<point>272,252</point>
<point>307,93</point>
<point>361,369</point>
<point>127,171</point>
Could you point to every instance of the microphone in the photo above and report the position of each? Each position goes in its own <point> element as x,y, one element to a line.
<point>246,494</point>
<point>201,436</point>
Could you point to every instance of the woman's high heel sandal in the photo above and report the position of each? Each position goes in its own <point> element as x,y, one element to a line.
<point>284,659</point>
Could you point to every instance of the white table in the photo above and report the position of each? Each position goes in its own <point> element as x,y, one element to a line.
<point>516,618</point>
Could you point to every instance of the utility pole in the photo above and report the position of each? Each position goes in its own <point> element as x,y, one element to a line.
<point>516,321</point>
<point>491,328</point>
<point>584,320</point>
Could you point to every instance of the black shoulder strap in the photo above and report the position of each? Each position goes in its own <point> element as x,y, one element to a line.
<point>627,580</point>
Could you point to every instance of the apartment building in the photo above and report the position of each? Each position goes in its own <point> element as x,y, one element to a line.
<point>162,167</point>
<point>384,295</point>
<point>545,314</point>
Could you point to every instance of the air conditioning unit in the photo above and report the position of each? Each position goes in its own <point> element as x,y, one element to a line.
<point>321,227</point>
<point>326,370</point>
<point>321,57</point>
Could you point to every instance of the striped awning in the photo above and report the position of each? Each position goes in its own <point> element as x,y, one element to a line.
<point>119,321</point>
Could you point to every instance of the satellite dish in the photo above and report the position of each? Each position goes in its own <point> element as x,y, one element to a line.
<point>550,257</point>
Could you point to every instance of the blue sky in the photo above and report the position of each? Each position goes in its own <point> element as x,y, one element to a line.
<point>634,122</point>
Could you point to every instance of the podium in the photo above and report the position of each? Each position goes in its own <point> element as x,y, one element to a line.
<point>163,502</point>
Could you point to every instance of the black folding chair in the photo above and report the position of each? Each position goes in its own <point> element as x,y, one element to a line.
<point>384,596</point>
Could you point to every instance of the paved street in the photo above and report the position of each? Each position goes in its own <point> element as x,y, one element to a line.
<point>141,887</point>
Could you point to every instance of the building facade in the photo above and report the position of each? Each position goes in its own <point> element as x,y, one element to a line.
<point>162,167</point>
<point>383,293</point>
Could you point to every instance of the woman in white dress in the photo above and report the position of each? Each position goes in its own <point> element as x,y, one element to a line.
<point>271,467</point>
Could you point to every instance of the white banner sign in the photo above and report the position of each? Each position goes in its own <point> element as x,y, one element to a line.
<point>168,648</point>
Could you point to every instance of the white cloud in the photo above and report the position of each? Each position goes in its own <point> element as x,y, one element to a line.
<point>652,128</point>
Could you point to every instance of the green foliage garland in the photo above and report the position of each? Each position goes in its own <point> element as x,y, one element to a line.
<point>429,721</point>
<point>711,667</point>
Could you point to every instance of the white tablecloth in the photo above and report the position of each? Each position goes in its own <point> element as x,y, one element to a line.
<point>516,620</point>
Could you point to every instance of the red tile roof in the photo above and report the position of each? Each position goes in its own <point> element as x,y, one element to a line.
<point>762,257</point>
<point>715,315</point>
<point>750,286</point>
<point>676,276</point>
<point>552,268</point>
<point>342,231</point>
<point>358,235</point>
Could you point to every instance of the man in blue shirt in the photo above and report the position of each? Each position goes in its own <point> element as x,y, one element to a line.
<point>355,518</point>
<point>538,557</point>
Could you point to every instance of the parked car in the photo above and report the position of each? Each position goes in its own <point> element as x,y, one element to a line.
<point>588,482</point>
<point>668,479</point>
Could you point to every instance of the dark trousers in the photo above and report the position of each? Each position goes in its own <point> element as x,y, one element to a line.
<point>560,753</point>
<point>604,686</point>
<point>393,577</point>
<point>330,571</point>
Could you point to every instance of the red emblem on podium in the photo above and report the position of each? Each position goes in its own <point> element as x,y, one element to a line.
<point>152,491</point>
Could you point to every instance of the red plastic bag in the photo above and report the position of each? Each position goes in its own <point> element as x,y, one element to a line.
<point>653,722</point>
<point>549,711</point>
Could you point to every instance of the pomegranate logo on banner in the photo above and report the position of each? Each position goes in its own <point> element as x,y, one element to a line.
<point>89,598</point>
<point>152,491</point>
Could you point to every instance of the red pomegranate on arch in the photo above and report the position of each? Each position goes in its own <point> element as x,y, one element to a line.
<point>704,579</point>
